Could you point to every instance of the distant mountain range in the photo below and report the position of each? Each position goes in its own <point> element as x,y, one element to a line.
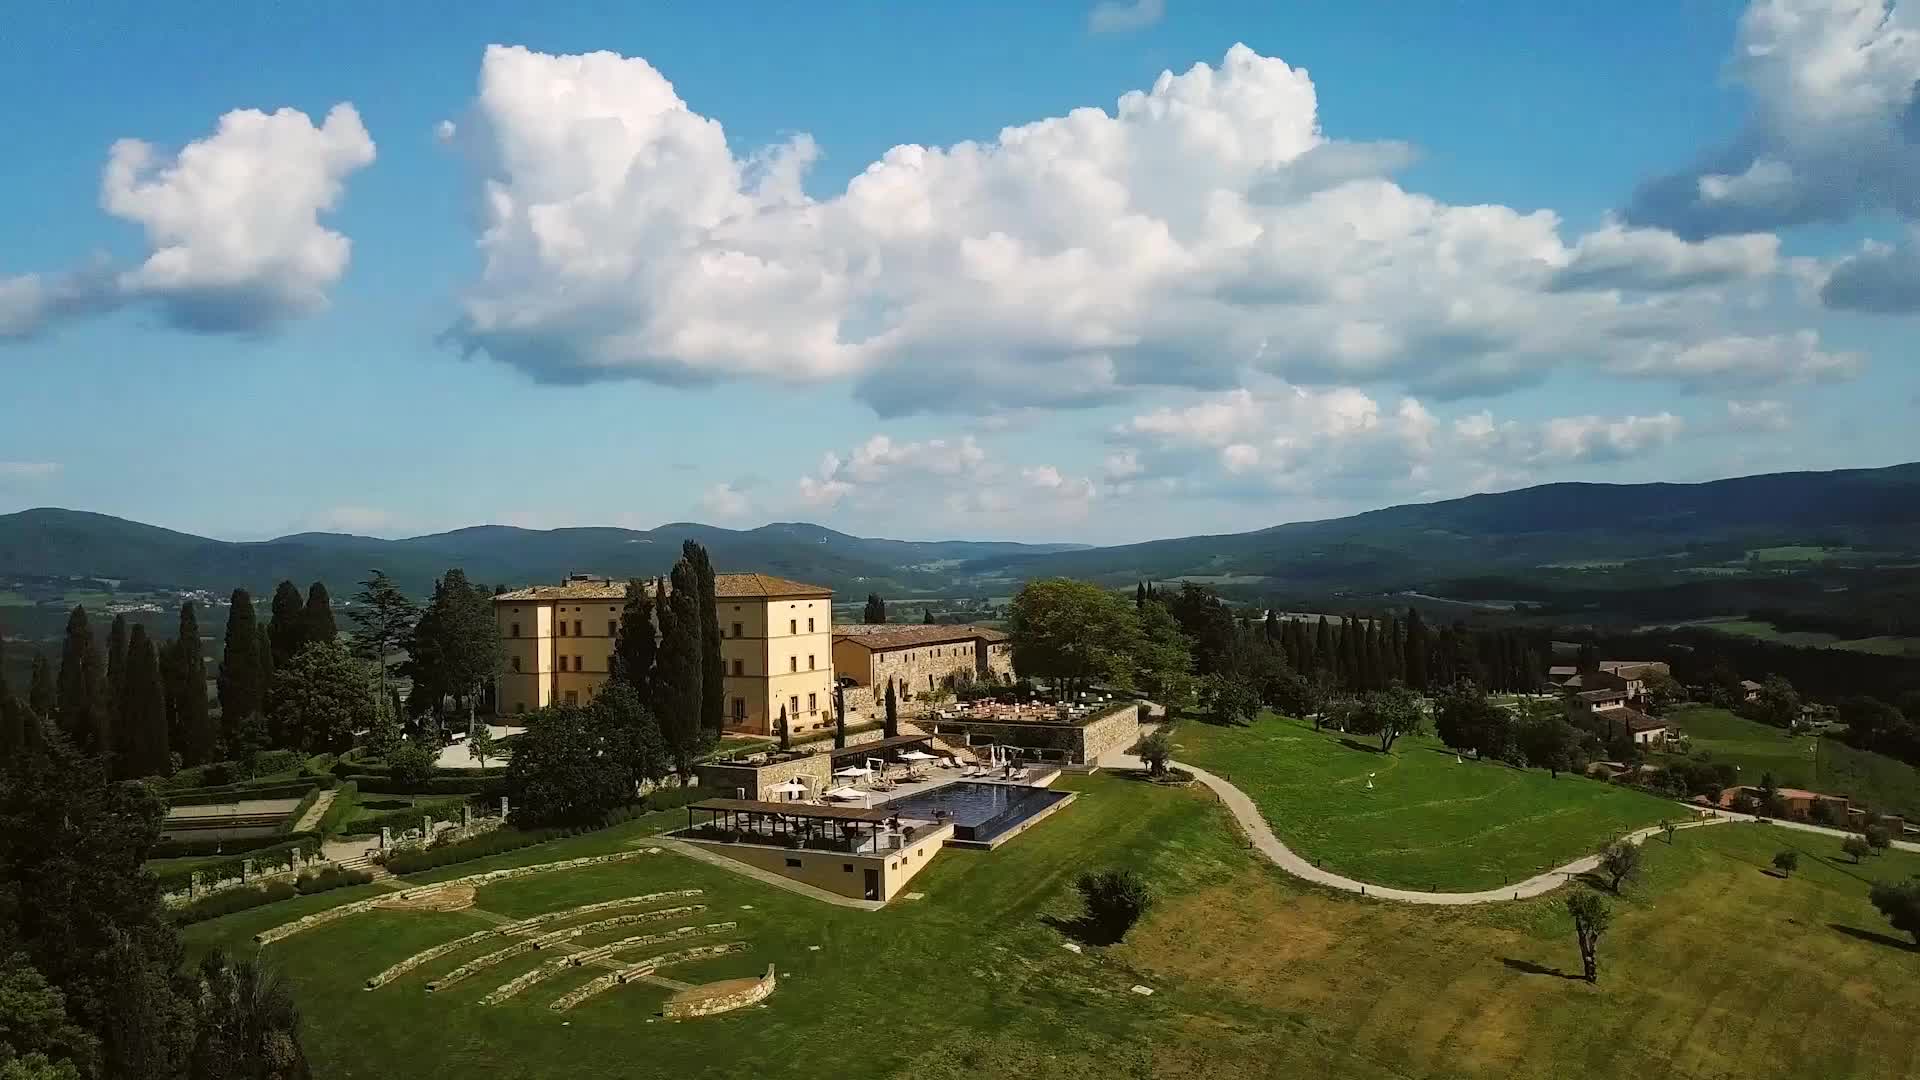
<point>1556,525</point>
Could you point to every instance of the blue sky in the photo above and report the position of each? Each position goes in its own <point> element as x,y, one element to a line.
<point>1260,294</point>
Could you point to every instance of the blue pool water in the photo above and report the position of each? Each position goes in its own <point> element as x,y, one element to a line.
<point>979,812</point>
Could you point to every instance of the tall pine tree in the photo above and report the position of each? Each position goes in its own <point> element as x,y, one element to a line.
<point>713,694</point>
<point>319,614</point>
<point>678,691</point>
<point>1323,655</point>
<point>198,739</point>
<point>243,676</point>
<point>1419,653</point>
<point>287,628</point>
<point>143,714</point>
<point>634,644</point>
<point>876,609</point>
<point>82,691</point>
<point>116,666</point>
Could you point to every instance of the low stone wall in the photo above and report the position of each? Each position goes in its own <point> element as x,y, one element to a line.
<point>597,953</point>
<point>645,967</point>
<point>524,926</point>
<point>1117,730</point>
<point>320,918</point>
<point>696,1003</point>
<point>481,963</point>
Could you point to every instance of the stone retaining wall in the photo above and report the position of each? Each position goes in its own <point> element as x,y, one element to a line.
<point>1118,730</point>
<point>682,1007</point>
<point>597,953</point>
<point>481,963</point>
<point>645,967</point>
<point>321,918</point>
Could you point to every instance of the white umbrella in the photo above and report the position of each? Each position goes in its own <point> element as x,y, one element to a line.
<point>852,770</point>
<point>791,787</point>
<point>847,793</point>
<point>916,755</point>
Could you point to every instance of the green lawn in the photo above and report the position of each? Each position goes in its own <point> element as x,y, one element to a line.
<point>1884,645</point>
<point>1429,822</point>
<point>1713,969</point>
<point>1818,764</point>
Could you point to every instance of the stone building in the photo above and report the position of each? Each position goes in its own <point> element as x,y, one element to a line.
<point>920,657</point>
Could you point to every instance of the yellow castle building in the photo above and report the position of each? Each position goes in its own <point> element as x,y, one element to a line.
<point>776,645</point>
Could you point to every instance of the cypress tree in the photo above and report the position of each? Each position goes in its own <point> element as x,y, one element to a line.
<point>82,711</point>
<point>116,664</point>
<point>319,615</point>
<point>1350,653</point>
<point>143,717</point>
<point>786,737</point>
<point>634,646</point>
<point>926,616</point>
<point>1139,595</point>
<point>876,609</point>
<point>13,735</point>
<point>41,695</point>
<point>677,687</point>
<point>242,676</point>
<point>1418,652</point>
<point>713,672</point>
<point>287,629</point>
<point>1323,657</point>
<point>892,727</point>
<point>197,736</point>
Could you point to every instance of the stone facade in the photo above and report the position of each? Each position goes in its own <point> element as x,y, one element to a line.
<point>720,997</point>
<point>812,769</point>
<point>1069,743</point>
<point>1117,730</point>
<point>919,658</point>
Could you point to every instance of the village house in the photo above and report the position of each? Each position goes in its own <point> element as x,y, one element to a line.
<point>919,658</point>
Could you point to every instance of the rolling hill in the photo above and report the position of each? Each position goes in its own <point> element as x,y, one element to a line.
<point>1402,547</point>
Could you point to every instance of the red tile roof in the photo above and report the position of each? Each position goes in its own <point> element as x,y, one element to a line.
<point>878,636</point>
<point>741,586</point>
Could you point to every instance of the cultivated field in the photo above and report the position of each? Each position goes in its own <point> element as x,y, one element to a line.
<point>1714,968</point>
<point>1429,821</point>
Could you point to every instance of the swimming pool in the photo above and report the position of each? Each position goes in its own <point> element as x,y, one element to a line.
<point>980,812</point>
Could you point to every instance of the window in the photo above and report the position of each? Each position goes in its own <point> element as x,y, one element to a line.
<point>514,630</point>
<point>809,661</point>
<point>560,663</point>
<point>739,667</point>
<point>613,628</point>
<point>563,628</point>
<point>793,705</point>
<point>739,709</point>
<point>793,663</point>
<point>577,666</point>
<point>813,703</point>
<point>847,866</point>
<point>793,862</point>
<point>809,626</point>
<point>515,662</point>
<point>573,697</point>
<point>576,625</point>
<point>793,626</point>
<point>736,630</point>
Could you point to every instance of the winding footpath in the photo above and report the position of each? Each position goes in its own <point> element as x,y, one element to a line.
<point>1261,836</point>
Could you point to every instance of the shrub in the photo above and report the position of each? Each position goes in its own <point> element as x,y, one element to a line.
<point>229,901</point>
<point>330,878</point>
<point>1115,900</point>
<point>1786,862</point>
<point>412,763</point>
<point>667,798</point>
<point>1155,750</point>
<point>476,847</point>
<point>265,860</point>
<point>1879,838</point>
<point>1855,847</point>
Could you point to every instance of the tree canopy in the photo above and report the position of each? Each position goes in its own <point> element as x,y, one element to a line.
<point>1073,633</point>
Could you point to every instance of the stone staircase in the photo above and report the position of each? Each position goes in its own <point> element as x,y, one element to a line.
<point>362,862</point>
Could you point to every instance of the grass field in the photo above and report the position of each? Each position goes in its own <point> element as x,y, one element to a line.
<point>1429,822</point>
<point>1818,764</point>
<point>1883,645</point>
<point>1796,553</point>
<point>1713,969</point>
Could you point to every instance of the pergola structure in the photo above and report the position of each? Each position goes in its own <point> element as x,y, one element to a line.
<point>804,822</point>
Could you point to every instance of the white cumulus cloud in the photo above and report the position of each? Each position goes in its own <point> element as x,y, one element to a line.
<point>28,470</point>
<point>1201,228</point>
<point>232,227</point>
<point>725,501</point>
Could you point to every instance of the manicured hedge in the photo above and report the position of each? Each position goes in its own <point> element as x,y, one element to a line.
<point>286,789</point>
<point>279,854</point>
<point>673,798</point>
<point>217,773</point>
<point>228,901</point>
<point>330,878</point>
<point>476,847</point>
<point>362,769</point>
<point>402,819</point>
<point>300,811</point>
<point>180,849</point>
<point>433,785</point>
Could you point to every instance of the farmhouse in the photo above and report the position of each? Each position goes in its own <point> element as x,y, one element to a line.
<point>920,658</point>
